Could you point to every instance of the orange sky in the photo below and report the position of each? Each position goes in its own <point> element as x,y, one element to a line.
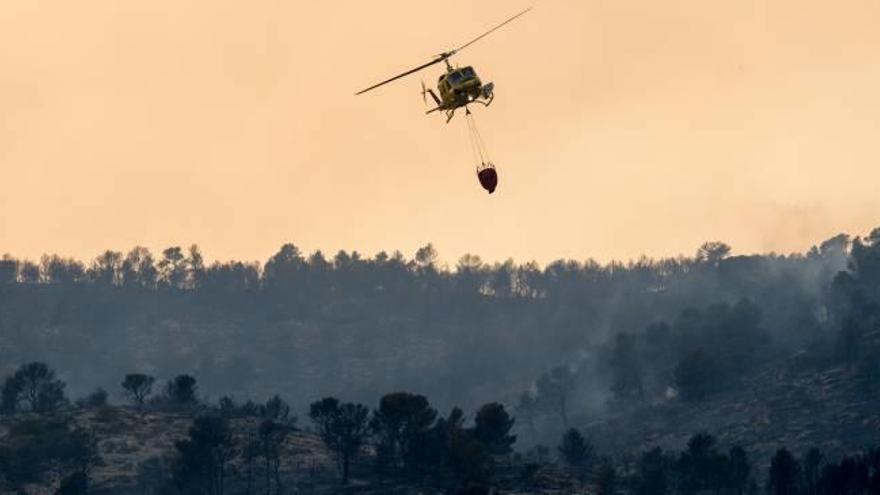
<point>620,127</point>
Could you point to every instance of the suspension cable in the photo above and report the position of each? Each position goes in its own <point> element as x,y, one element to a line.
<point>482,143</point>
<point>475,153</point>
<point>475,145</point>
<point>478,146</point>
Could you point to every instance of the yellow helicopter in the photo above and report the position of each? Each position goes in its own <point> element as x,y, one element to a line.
<point>458,87</point>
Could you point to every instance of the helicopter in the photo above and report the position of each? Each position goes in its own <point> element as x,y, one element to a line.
<point>458,87</point>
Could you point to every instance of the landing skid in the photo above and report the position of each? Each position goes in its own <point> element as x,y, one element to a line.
<point>451,113</point>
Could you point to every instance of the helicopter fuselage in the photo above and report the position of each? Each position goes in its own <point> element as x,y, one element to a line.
<point>459,88</point>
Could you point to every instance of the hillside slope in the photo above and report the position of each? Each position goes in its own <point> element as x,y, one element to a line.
<point>785,404</point>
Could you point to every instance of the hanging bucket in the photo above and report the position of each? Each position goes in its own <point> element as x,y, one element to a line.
<point>488,176</point>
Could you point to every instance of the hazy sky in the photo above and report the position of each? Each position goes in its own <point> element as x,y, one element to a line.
<point>620,127</point>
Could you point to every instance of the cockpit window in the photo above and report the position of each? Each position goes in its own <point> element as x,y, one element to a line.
<point>455,77</point>
<point>468,72</point>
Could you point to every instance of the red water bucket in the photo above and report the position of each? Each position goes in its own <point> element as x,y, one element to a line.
<point>488,177</point>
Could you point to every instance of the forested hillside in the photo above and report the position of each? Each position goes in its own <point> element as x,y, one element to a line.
<point>307,325</point>
<point>763,351</point>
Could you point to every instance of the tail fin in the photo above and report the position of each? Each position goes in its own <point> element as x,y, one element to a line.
<point>436,100</point>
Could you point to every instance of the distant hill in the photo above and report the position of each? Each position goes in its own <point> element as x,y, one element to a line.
<point>792,403</point>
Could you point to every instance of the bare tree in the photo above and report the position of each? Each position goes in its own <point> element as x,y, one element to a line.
<point>138,387</point>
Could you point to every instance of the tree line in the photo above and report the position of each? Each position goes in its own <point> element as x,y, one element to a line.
<point>403,440</point>
<point>687,326</point>
<point>534,316</point>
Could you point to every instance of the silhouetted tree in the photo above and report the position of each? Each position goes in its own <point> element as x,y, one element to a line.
<point>250,409</point>
<point>61,271</point>
<point>738,470</point>
<point>502,280</point>
<point>352,428</point>
<point>712,253</point>
<point>8,270</point>
<point>654,473</point>
<point>204,456</point>
<point>39,445</point>
<point>181,391</point>
<point>322,414</point>
<point>271,439</point>
<point>227,406</point>
<point>36,385</point>
<point>851,475</point>
<point>784,474</point>
<point>139,269</point>
<point>250,453</point>
<point>173,269</point>
<point>138,387</point>
<point>283,270</point>
<point>28,272</point>
<point>224,282</point>
<point>458,450</point>
<point>106,269</point>
<point>701,467</point>
<point>470,276</point>
<point>196,268</point>
<point>345,432</point>
<point>277,410</point>
<point>812,464</point>
<point>401,420</point>
<point>426,257</point>
<point>492,427</point>
<point>575,450</point>
<point>343,429</point>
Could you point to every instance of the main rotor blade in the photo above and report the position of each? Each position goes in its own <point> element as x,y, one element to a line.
<point>487,33</point>
<point>435,61</point>
<point>446,55</point>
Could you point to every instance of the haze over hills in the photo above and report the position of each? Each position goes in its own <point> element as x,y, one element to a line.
<point>304,325</point>
<point>762,351</point>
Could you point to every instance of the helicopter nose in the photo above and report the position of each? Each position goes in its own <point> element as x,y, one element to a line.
<point>488,89</point>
